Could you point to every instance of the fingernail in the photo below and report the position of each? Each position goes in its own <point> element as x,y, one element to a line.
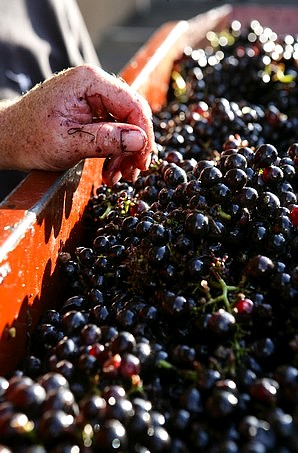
<point>132,140</point>
<point>135,174</point>
<point>111,178</point>
<point>148,161</point>
<point>115,177</point>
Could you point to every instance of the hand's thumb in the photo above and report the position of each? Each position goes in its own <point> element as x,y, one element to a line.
<point>107,139</point>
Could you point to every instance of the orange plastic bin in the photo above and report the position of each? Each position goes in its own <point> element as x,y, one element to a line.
<point>43,215</point>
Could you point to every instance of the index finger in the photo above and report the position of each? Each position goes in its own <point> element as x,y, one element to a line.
<point>109,94</point>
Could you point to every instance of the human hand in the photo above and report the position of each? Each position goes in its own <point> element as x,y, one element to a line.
<point>81,112</point>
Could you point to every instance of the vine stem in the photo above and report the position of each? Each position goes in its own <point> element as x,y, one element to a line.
<point>108,209</point>
<point>223,297</point>
<point>187,374</point>
<point>223,214</point>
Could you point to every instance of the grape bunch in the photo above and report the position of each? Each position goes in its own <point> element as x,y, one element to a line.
<point>178,331</point>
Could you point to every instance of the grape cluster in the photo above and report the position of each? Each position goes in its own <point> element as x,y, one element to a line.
<point>179,329</point>
<point>244,81</point>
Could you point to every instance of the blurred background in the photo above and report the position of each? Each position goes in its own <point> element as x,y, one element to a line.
<point>119,28</point>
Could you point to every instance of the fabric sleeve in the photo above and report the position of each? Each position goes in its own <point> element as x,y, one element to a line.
<point>38,38</point>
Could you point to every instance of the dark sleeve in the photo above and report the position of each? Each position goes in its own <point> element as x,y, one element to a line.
<point>38,38</point>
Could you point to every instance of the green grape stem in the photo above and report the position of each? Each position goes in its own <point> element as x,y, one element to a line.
<point>223,215</point>
<point>187,374</point>
<point>224,296</point>
<point>107,211</point>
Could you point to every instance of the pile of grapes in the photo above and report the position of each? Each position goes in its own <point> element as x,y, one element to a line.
<point>179,332</point>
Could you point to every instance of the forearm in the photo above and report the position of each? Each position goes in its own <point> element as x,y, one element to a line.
<point>8,125</point>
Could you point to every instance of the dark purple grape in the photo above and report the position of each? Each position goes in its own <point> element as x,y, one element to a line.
<point>235,178</point>
<point>247,197</point>
<point>111,436</point>
<point>158,255</point>
<point>268,203</point>
<point>235,160</point>
<point>210,176</point>
<point>174,176</point>
<point>196,224</point>
<point>201,165</point>
<point>265,155</point>
<point>101,244</point>
<point>123,342</point>
<point>56,426</point>
<point>259,267</point>
<point>221,404</point>
<point>221,323</point>
<point>73,321</point>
